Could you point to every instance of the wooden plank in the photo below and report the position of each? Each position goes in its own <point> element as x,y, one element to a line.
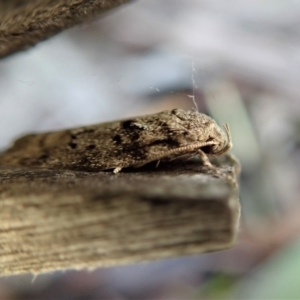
<point>54,220</point>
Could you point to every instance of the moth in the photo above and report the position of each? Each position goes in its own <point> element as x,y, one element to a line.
<point>120,144</point>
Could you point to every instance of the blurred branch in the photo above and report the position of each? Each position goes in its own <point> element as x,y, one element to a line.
<point>65,219</point>
<point>25,23</point>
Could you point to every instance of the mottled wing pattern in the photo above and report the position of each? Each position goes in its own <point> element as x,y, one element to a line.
<point>119,144</point>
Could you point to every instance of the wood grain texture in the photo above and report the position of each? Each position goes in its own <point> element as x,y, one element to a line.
<point>25,23</point>
<point>54,220</point>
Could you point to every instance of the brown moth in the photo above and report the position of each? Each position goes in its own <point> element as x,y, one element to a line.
<point>126,143</point>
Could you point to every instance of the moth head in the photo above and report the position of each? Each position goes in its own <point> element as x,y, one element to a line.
<point>222,139</point>
<point>203,129</point>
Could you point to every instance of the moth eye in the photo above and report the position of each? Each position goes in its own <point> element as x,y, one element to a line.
<point>208,149</point>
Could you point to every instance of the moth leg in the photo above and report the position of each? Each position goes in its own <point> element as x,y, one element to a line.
<point>205,159</point>
<point>157,164</point>
<point>117,170</point>
<point>208,164</point>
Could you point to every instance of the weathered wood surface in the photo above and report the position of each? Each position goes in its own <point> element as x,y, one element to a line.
<point>65,219</point>
<point>23,23</point>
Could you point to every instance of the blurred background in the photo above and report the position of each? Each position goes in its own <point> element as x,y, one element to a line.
<point>240,61</point>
